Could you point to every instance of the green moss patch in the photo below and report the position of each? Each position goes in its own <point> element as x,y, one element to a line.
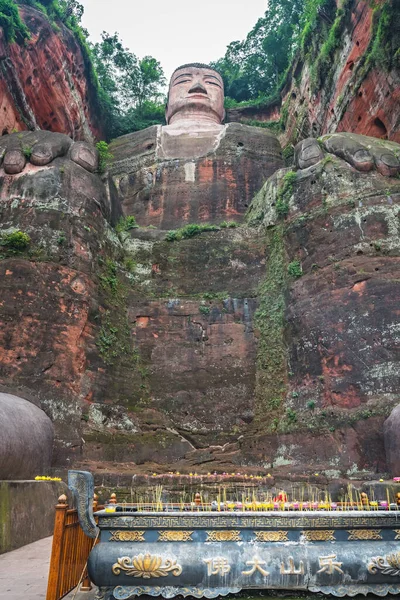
<point>269,320</point>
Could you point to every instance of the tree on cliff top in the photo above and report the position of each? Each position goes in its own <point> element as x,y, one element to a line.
<point>254,67</point>
<point>131,87</point>
<point>10,21</point>
<point>69,12</point>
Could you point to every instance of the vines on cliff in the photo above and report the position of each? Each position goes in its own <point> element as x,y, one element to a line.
<point>114,340</point>
<point>14,28</point>
<point>384,49</point>
<point>323,62</point>
<point>269,320</point>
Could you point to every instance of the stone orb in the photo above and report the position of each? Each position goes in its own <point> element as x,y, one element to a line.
<point>391,432</point>
<point>26,439</point>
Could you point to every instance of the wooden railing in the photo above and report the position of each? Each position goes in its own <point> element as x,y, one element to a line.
<point>69,554</point>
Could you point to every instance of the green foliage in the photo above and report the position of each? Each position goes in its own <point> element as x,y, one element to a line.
<point>27,152</point>
<point>288,154</point>
<point>275,402</point>
<point>69,12</point>
<point>253,69</point>
<point>105,156</point>
<point>108,339</point>
<point>15,242</point>
<point>189,231</point>
<point>284,194</point>
<point>130,88</point>
<point>126,223</point>
<point>109,279</point>
<point>285,113</point>
<point>130,265</point>
<point>221,296</point>
<point>204,310</point>
<point>274,126</point>
<point>291,415</point>
<point>62,238</point>
<point>147,114</point>
<point>384,50</point>
<point>11,23</point>
<point>228,225</point>
<point>311,404</point>
<point>259,102</point>
<point>269,321</point>
<point>323,65</point>
<point>294,269</point>
<point>316,19</point>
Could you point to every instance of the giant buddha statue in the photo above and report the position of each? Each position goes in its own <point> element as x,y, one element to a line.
<point>165,369</point>
<point>195,168</point>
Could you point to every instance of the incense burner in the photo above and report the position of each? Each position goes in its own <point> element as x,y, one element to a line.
<point>210,553</point>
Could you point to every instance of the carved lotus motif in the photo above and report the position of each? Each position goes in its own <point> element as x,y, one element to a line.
<point>146,566</point>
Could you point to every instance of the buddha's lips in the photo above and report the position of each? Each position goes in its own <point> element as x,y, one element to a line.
<point>198,95</point>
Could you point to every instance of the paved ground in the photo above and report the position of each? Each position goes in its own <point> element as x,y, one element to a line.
<point>23,573</point>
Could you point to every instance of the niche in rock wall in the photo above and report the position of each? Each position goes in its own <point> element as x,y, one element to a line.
<point>377,129</point>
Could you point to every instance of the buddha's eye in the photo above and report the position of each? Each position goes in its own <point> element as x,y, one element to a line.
<point>181,81</point>
<point>213,83</point>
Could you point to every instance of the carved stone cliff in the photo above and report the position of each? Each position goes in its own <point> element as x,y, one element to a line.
<point>358,92</point>
<point>268,344</point>
<point>44,83</point>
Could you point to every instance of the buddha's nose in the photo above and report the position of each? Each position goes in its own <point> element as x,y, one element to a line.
<point>197,87</point>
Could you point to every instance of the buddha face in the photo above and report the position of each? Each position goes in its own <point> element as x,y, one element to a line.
<point>196,91</point>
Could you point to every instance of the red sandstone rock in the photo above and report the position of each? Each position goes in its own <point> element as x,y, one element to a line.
<point>171,192</point>
<point>366,104</point>
<point>44,83</point>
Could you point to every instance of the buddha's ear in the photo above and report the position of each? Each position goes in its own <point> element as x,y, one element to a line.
<point>224,116</point>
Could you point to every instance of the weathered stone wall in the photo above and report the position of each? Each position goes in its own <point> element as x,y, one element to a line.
<point>50,302</point>
<point>44,83</point>
<point>27,511</point>
<point>269,345</point>
<point>191,307</point>
<point>339,324</point>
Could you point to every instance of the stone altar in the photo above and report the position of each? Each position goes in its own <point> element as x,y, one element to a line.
<point>200,553</point>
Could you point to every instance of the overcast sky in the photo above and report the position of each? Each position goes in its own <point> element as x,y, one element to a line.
<point>174,31</point>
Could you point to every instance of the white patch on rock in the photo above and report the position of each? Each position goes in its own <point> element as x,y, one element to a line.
<point>190,171</point>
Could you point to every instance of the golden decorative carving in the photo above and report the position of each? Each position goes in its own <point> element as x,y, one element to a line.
<point>397,532</point>
<point>127,536</point>
<point>146,566</point>
<point>175,536</point>
<point>329,564</point>
<point>364,534</point>
<point>387,565</point>
<point>217,566</point>
<point>271,536</point>
<point>319,535</point>
<point>223,536</point>
<point>291,569</point>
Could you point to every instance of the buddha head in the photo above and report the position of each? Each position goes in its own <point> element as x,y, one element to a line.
<point>196,92</point>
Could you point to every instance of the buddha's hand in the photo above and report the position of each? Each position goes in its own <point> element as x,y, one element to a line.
<point>361,152</point>
<point>40,148</point>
